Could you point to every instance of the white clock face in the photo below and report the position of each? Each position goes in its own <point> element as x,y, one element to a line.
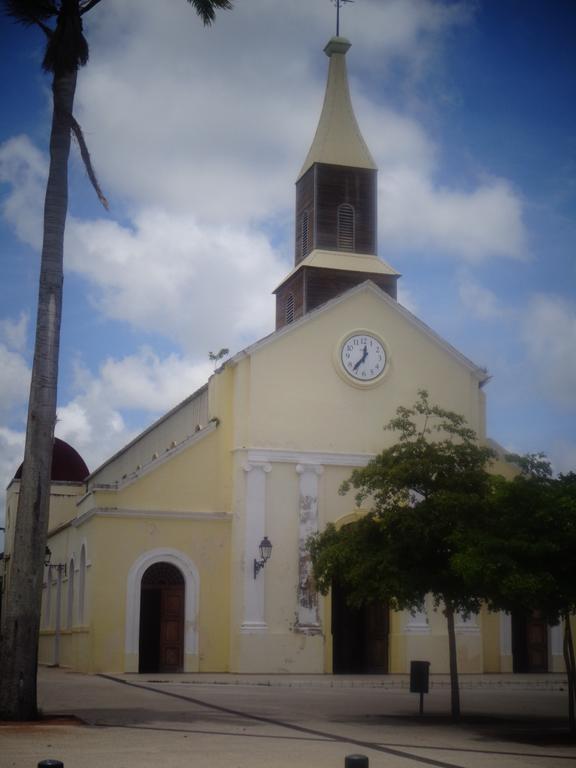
<point>363,357</point>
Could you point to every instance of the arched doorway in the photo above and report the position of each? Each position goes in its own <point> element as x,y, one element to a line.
<point>359,636</point>
<point>161,644</point>
<point>529,642</point>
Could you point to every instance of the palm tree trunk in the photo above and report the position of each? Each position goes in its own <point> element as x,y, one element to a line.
<point>23,596</point>
<point>454,688</point>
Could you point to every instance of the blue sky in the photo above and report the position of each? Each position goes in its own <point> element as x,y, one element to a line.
<point>197,137</point>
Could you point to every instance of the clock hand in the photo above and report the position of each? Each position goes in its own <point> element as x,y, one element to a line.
<point>362,359</point>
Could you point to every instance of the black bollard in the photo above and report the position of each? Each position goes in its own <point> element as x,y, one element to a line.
<point>356,761</point>
<point>50,764</point>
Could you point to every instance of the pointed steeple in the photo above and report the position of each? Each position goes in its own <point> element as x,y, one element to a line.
<point>336,207</point>
<point>338,140</point>
<point>336,188</point>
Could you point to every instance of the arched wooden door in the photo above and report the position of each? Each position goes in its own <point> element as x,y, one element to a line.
<point>529,642</point>
<point>359,636</point>
<point>161,642</point>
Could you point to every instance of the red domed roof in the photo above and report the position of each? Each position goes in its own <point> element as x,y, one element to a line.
<point>67,464</point>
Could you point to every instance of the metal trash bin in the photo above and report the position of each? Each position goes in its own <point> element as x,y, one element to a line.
<point>356,761</point>
<point>419,676</point>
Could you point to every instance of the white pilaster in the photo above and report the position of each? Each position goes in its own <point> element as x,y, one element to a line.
<point>308,618</point>
<point>254,595</point>
<point>467,625</point>
<point>556,663</point>
<point>557,639</point>
<point>417,623</point>
<point>506,639</point>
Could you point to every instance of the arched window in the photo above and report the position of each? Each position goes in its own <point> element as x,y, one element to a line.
<point>82,585</point>
<point>289,309</point>
<point>70,606</point>
<point>305,233</point>
<point>346,227</point>
<point>47,614</point>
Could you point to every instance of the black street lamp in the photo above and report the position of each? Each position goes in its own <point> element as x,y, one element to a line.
<point>265,552</point>
<point>60,569</point>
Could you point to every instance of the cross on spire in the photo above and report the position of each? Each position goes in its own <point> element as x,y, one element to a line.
<point>339,4</point>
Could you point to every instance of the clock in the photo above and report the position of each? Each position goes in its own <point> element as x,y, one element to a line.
<point>363,357</point>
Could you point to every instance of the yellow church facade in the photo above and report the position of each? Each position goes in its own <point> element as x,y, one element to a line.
<point>155,557</point>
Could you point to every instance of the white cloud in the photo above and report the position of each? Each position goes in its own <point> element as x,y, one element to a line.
<point>397,142</point>
<point>224,140</point>
<point>405,28</point>
<point>14,333</point>
<point>214,132</point>
<point>14,381</point>
<point>145,381</point>
<point>549,333</point>
<point>203,286</point>
<point>471,225</point>
<point>94,421</point>
<point>11,453</point>
<point>482,302</point>
<point>25,168</point>
<point>222,120</point>
<point>210,129</point>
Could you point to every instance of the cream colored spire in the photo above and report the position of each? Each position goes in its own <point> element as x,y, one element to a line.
<point>338,140</point>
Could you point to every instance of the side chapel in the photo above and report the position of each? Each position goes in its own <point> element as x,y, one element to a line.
<point>156,557</point>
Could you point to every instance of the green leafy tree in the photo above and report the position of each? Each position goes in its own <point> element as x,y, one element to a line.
<point>525,560</point>
<point>427,495</point>
<point>66,52</point>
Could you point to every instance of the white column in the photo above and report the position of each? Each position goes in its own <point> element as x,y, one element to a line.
<point>505,634</point>
<point>57,623</point>
<point>308,620</point>
<point>254,605</point>
<point>556,648</point>
<point>48,603</point>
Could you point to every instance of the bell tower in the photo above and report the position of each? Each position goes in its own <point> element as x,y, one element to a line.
<point>336,207</point>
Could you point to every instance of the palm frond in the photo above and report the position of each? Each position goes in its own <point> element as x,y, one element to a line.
<point>67,49</point>
<point>29,12</point>
<point>206,9</point>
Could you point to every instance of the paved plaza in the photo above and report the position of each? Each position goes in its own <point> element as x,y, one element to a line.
<point>225,721</point>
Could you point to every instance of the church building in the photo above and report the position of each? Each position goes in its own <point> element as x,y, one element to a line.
<point>186,550</point>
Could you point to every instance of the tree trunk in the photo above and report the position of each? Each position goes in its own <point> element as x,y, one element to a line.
<point>570,663</point>
<point>454,689</point>
<point>23,595</point>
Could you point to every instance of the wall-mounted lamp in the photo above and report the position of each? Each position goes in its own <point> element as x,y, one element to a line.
<point>60,567</point>
<point>265,552</point>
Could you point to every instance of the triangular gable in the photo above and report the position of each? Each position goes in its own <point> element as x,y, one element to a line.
<point>368,287</point>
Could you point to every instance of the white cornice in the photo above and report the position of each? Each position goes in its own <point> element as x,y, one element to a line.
<point>147,514</point>
<point>348,262</point>
<point>308,458</point>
